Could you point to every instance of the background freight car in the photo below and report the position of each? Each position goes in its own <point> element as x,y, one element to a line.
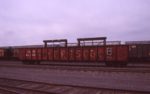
<point>139,51</point>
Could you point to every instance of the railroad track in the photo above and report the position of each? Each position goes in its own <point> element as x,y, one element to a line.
<point>78,64</point>
<point>14,86</point>
<point>80,68</point>
<point>5,89</point>
<point>88,71</point>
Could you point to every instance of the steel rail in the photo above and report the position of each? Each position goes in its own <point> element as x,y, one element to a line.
<point>74,86</point>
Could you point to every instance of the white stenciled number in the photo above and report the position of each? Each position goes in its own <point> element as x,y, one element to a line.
<point>109,51</point>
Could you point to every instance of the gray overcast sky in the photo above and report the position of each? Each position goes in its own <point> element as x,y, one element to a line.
<point>25,22</point>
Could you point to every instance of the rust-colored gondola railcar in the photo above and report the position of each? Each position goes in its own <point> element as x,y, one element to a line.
<point>110,54</point>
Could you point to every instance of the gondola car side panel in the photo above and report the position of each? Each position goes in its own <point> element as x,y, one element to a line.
<point>64,54</point>
<point>78,54</point>
<point>86,54</point>
<point>39,54</point>
<point>50,54</point>
<point>56,54</point>
<point>71,53</point>
<point>44,54</point>
<point>111,53</point>
<point>93,54</point>
<point>122,53</point>
<point>101,54</point>
<point>28,54</point>
<point>22,54</point>
<point>33,54</point>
